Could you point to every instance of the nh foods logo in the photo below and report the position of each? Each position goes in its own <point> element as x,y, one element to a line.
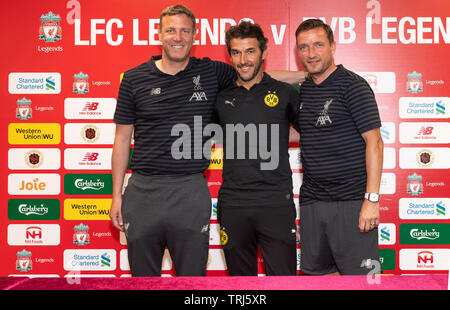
<point>424,208</point>
<point>424,107</point>
<point>37,234</point>
<point>90,260</point>
<point>424,259</point>
<point>34,83</point>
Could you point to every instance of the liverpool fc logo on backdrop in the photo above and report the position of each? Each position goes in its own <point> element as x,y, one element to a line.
<point>80,83</point>
<point>414,84</point>
<point>50,30</point>
<point>23,110</point>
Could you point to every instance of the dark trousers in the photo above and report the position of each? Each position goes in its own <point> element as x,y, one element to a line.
<point>273,229</point>
<point>172,211</point>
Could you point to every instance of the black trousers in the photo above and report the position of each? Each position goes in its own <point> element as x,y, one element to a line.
<point>273,229</point>
<point>167,211</point>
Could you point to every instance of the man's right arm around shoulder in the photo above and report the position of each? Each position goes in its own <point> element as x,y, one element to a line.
<point>119,164</point>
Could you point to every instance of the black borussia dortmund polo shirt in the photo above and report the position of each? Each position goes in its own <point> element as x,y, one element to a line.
<point>246,116</point>
<point>156,102</point>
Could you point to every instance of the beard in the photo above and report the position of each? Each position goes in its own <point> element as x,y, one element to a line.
<point>255,72</point>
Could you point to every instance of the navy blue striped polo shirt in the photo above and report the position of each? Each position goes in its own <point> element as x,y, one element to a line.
<point>154,102</point>
<point>331,119</point>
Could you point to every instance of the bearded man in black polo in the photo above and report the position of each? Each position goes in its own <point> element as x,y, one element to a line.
<point>255,201</point>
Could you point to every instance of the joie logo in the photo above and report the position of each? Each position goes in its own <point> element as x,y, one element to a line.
<point>33,184</point>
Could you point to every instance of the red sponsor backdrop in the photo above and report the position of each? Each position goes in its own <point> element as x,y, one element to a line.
<point>385,41</point>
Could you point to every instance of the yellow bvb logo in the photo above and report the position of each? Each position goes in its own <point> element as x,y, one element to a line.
<point>223,237</point>
<point>271,99</point>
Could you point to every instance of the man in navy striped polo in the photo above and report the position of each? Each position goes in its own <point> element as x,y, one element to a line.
<point>342,156</point>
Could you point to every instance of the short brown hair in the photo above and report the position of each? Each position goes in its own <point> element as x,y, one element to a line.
<point>310,24</point>
<point>246,30</point>
<point>176,10</point>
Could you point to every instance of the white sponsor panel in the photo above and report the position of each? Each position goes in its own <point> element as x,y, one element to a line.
<point>88,158</point>
<point>387,132</point>
<point>89,108</point>
<point>43,159</point>
<point>34,234</point>
<point>213,208</point>
<point>387,234</point>
<point>83,133</point>
<point>73,275</point>
<point>125,265</point>
<point>294,159</point>
<point>216,260</point>
<point>34,83</point>
<point>424,208</point>
<point>389,158</point>
<point>90,260</point>
<point>424,158</point>
<point>34,275</point>
<point>34,184</point>
<point>214,234</point>
<point>424,132</point>
<point>297,180</point>
<point>380,82</point>
<point>424,259</point>
<point>387,184</point>
<point>424,107</point>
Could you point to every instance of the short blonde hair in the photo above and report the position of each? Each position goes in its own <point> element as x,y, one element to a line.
<point>176,10</point>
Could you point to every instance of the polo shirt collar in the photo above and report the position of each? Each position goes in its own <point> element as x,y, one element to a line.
<point>155,69</point>
<point>332,77</point>
<point>265,79</point>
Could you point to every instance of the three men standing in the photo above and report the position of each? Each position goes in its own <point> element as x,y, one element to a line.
<point>167,201</point>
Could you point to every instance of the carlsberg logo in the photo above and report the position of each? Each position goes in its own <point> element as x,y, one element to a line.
<point>424,234</point>
<point>85,184</point>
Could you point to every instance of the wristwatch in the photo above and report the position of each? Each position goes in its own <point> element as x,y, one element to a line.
<point>372,197</point>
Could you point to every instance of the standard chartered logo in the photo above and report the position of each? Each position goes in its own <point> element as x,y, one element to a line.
<point>85,184</point>
<point>89,259</point>
<point>424,234</point>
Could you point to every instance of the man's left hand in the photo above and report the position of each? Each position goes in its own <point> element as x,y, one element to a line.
<point>369,217</point>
